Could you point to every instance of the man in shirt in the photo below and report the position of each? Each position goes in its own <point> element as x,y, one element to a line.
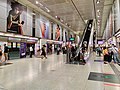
<point>115,54</point>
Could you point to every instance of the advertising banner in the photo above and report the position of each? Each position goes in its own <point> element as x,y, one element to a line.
<point>44,27</point>
<point>14,22</point>
<point>57,32</point>
<point>23,49</point>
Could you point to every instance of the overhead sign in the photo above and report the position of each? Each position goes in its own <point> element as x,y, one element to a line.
<point>72,39</point>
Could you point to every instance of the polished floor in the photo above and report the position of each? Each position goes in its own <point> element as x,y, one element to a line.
<point>54,74</point>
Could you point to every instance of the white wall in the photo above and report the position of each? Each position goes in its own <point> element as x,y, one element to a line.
<point>3,15</point>
<point>37,26</point>
<point>29,22</point>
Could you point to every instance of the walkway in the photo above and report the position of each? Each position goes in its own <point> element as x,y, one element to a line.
<point>54,74</point>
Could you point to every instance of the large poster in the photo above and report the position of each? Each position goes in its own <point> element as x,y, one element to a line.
<point>14,23</point>
<point>57,32</point>
<point>44,27</point>
<point>23,49</point>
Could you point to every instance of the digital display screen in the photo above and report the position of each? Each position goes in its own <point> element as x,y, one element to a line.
<point>14,45</point>
<point>100,42</point>
<point>72,39</point>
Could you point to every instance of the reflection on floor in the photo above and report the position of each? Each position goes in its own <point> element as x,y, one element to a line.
<point>54,74</point>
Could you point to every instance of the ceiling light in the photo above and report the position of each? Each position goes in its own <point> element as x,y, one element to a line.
<point>33,13</point>
<point>7,34</point>
<point>98,2</point>
<point>56,16</point>
<point>47,9</point>
<point>40,4</point>
<point>2,33</point>
<point>98,10</point>
<point>98,16</point>
<point>61,20</point>
<point>37,2</point>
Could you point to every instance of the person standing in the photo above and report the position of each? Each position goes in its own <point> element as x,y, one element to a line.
<point>31,50</point>
<point>115,54</point>
<point>106,55</point>
<point>99,51</point>
<point>6,52</point>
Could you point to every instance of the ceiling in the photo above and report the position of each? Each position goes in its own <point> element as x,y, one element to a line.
<point>72,12</point>
<point>76,12</point>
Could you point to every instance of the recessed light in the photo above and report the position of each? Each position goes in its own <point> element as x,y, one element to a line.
<point>61,20</point>
<point>37,2</point>
<point>47,9</point>
<point>56,16</point>
<point>98,2</point>
<point>41,4</point>
<point>33,13</point>
<point>98,16</point>
<point>98,10</point>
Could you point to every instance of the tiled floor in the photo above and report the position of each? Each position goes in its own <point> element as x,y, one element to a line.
<point>54,74</point>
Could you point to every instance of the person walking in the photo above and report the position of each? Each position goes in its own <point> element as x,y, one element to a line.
<point>5,52</point>
<point>43,52</point>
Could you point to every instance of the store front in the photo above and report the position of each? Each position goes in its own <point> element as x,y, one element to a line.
<point>13,48</point>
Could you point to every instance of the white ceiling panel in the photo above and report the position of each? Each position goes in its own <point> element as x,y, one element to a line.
<point>76,12</point>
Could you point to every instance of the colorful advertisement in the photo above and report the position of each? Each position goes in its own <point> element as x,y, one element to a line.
<point>57,32</point>
<point>14,22</point>
<point>23,49</point>
<point>44,27</point>
<point>44,30</point>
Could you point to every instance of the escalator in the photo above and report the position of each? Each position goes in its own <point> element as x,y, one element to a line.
<point>82,45</point>
<point>86,38</point>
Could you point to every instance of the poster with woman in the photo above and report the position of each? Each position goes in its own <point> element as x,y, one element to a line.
<point>44,26</point>
<point>57,34</point>
<point>14,22</point>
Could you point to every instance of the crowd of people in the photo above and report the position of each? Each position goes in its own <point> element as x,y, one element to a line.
<point>109,54</point>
